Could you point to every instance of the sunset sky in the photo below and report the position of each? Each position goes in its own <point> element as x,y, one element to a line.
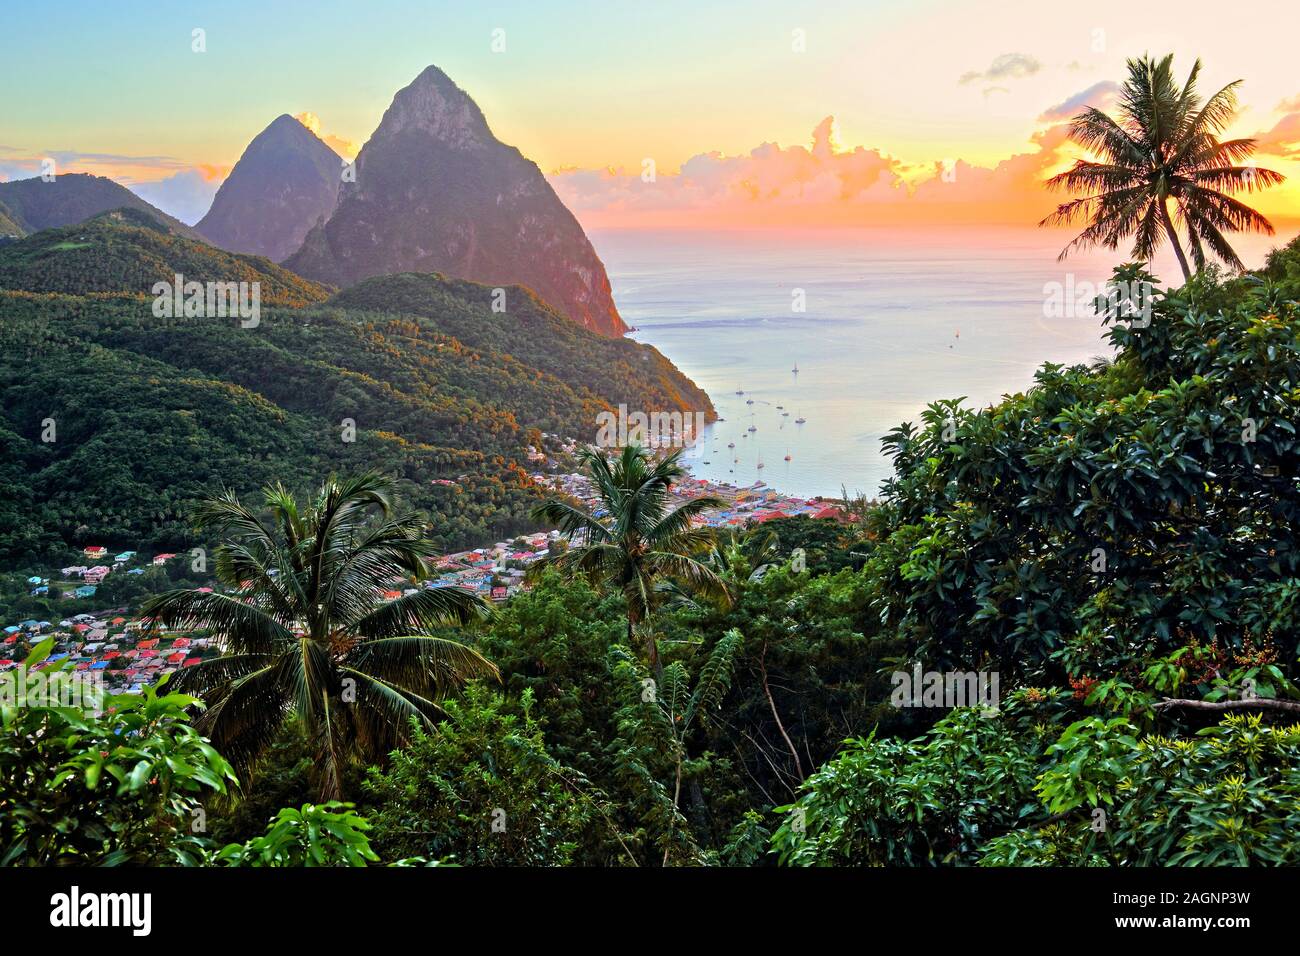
<point>735,116</point>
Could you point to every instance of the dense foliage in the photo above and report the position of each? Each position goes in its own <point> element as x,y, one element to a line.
<point>483,790</point>
<point>124,784</point>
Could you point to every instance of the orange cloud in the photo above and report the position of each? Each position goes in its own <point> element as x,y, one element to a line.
<point>819,184</point>
<point>346,148</point>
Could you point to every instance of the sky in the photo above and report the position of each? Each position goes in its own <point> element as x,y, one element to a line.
<point>728,113</point>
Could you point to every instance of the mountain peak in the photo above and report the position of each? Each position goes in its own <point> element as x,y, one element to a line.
<point>434,104</point>
<point>435,191</point>
<point>285,182</point>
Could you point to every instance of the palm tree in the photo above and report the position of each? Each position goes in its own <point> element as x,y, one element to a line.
<point>307,634</point>
<point>639,542</point>
<point>1163,147</point>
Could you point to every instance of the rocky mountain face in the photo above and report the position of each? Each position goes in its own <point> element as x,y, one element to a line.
<point>436,191</point>
<point>286,182</point>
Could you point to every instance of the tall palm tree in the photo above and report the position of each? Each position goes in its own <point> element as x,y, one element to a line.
<point>308,636</point>
<point>638,542</point>
<point>1164,146</point>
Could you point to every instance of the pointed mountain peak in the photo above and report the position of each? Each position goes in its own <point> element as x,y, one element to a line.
<point>435,191</point>
<point>285,182</point>
<point>286,129</point>
<point>436,105</point>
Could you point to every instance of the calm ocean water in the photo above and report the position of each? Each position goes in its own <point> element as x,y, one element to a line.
<point>894,319</point>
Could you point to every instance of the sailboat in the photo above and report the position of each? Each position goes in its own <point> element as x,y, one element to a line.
<point>760,463</point>
<point>787,455</point>
<point>731,444</point>
<point>796,368</point>
<point>800,420</point>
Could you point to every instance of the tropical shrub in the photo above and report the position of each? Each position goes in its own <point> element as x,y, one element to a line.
<point>121,787</point>
<point>482,789</point>
<point>332,834</point>
<point>1018,790</point>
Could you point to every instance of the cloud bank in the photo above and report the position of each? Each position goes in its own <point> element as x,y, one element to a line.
<point>818,184</point>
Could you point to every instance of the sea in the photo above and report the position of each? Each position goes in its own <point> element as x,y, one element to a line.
<point>878,322</point>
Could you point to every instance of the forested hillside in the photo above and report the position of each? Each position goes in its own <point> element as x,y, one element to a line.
<point>617,369</point>
<point>151,414</point>
<point>127,250</point>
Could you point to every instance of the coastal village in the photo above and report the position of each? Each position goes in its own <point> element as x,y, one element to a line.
<point>128,654</point>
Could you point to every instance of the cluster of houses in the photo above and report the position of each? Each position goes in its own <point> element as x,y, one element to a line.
<point>129,653</point>
<point>92,576</point>
<point>495,572</point>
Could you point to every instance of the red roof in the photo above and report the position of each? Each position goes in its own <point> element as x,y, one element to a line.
<point>108,656</point>
<point>191,661</point>
<point>175,658</point>
<point>146,645</point>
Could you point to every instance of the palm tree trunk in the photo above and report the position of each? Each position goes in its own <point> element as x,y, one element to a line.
<point>651,642</point>
<point>1173,240</point>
